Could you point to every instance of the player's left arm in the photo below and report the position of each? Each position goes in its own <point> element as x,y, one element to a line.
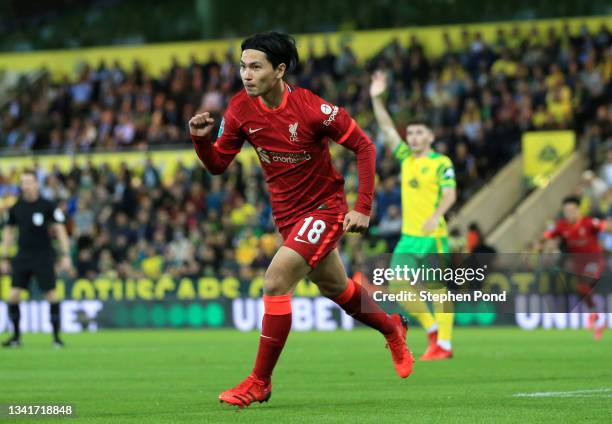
<point>449,196</point>
<point>334,122</point>
<point>59,228</point>
<point>446,180</point>
<point>64,242</point>
<point>358,219</point>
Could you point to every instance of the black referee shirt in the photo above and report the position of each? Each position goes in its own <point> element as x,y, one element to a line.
<point>33,220</point>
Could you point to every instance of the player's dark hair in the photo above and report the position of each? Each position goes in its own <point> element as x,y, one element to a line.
<point>29,172</point>
<point>572,199</point>
<point>420,121</point>
<point>474,227</point>
<point>279,48</point>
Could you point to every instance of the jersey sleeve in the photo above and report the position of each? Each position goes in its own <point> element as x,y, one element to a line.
<point>333,121</point>
<point>11,218</point>
<point>230,137</point>
<point>401,152</point>
<point>55,214</point>
<point>446,173</point>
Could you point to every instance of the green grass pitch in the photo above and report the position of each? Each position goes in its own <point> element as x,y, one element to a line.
<point>336,377</point>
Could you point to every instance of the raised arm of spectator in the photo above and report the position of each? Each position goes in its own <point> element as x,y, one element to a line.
<point>216,157</point>
<point>378,87</point>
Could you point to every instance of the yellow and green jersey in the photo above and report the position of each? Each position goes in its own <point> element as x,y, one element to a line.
<point>422,181</point>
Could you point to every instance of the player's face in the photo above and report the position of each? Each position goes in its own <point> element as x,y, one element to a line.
<point>571,212</point>
<point>29,185</point>
<point>419,137</point>
<point>257,73</point>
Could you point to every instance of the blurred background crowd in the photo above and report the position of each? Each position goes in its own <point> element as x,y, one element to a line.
<point>479,96</point>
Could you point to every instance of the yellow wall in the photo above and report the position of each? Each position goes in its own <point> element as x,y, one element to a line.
<point>156,57</point>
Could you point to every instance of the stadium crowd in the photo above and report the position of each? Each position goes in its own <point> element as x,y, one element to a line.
<point>480,97</point>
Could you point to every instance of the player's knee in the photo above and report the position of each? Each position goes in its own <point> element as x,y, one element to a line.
<point>14,296</point>
<point>274,285</point>
<point>51,296</point>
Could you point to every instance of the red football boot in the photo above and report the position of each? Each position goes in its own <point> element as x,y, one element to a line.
<point>433,343</point>
<point>598,332</point>
<point>250,390</point>
<point>436,354</point>
<point>396,343</point>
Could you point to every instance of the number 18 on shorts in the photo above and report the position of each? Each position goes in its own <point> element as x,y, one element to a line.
<point>314,235</point>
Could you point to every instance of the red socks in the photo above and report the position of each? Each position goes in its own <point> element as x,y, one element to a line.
<point>355,300</point>
<point>277,323</point>
<point>274,331</point>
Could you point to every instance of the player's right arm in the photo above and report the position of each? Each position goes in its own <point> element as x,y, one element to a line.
<point>216,157</point>
<point>551,237</point>
<point>378,87</point>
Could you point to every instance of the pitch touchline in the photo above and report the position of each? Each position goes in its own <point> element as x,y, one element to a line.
<point>567,394</point>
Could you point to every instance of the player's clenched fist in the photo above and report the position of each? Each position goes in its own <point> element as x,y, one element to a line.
<point>355,222</point>
<point>201,125</point>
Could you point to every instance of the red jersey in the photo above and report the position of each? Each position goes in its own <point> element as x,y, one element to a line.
<point>579,237</point>
<point>292,144</point>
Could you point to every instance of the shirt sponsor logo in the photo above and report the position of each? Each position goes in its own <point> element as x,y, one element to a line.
<point>293,136</point>
<point>326,109</point>
<point>332,117</point>
<point>267,156</point>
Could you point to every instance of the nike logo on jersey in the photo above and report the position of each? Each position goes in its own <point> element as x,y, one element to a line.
<point>301,241</point>
<point>251,130</point>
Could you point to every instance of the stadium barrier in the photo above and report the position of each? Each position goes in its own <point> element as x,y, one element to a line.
<point>103,303</point>
<point>166,161</point>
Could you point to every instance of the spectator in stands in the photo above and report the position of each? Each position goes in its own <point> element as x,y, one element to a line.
<point>480,95</point>
<point>390,226</point>
<point>606,169</point>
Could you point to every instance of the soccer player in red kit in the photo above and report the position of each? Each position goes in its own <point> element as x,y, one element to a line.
<point>290,129</point>
<point>579,235</point>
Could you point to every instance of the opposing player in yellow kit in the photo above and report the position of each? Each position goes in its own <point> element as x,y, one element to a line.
<point>428,191</point>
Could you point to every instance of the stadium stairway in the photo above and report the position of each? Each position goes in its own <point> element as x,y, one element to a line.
<point>526,222</point>
<point>494,201</point>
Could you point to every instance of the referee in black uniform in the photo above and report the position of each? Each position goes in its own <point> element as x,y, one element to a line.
<point>34,217</point>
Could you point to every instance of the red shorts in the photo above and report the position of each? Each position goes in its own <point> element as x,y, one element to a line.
<point>314,235</point>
